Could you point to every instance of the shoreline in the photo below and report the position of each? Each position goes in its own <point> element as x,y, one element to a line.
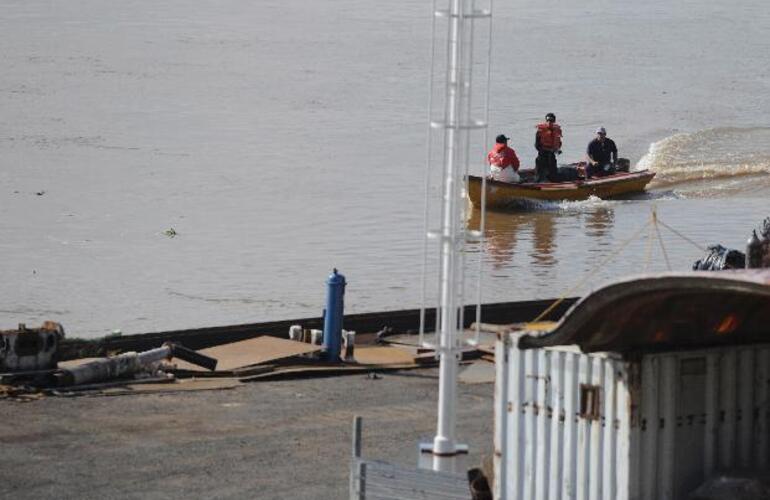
<point>401,321</point>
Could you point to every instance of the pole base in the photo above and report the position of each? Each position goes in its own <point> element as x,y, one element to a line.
<point>452,462</point>
<point>460,449</point>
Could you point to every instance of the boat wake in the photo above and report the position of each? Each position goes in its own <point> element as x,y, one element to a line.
<point>592,203</point>
<point>714,161</point>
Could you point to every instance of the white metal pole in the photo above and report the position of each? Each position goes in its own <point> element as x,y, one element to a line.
<point>444,442</point>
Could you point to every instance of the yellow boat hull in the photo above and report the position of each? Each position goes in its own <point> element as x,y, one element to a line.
<point>505,195</point>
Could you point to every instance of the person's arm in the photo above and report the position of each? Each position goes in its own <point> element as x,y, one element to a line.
<point>614,153</point>
<point>537,141</point>
<point>514,161</point>
<point>591,160</point>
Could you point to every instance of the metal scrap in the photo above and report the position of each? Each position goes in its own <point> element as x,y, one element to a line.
<point>129,363</point>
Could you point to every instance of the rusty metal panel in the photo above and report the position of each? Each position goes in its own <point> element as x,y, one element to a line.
<point>664,312</point>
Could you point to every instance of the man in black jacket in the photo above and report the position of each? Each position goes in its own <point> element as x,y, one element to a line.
<point>602,155</point>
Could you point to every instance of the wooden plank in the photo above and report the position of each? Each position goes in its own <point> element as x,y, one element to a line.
<point>319,370</point>
<point>382,355</point>
<point>251,352</point>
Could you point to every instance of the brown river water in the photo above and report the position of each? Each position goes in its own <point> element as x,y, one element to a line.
<point>280,139</point>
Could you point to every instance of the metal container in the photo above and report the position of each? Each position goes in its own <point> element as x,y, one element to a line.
<point>29,349</point>
<point>570,425</point>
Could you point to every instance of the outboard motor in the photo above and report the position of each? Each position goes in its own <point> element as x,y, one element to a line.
<point>623,165</point>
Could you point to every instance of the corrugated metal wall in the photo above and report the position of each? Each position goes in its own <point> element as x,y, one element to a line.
<point>700,412</point>
<point>545,448</point>
<point>576,426</point>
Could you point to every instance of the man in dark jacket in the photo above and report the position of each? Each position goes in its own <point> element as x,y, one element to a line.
<point>602,155</point>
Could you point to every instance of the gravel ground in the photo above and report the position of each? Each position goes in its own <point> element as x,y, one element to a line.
<point>288,439</point>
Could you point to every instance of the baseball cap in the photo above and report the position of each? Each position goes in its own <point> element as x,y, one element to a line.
<point>501,139</point>
<point>601,130</point>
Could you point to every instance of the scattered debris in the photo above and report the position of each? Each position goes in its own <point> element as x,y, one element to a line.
<point>128,364</point>
<point>261,358</point>
<point>170,232</point>
<point>40,193</point>
<point>385,332</point>
<point>719,258</point>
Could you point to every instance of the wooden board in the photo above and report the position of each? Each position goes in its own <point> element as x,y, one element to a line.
<point>251,352</point>
<point>382,355</point>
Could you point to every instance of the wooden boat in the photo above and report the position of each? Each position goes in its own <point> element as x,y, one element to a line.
<point>506,195</point>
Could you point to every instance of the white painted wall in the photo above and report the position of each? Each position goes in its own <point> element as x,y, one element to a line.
<point>660,426</point>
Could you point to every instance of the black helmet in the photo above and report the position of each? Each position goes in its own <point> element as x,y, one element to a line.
<point>501,139</point>
<point>550,117</point>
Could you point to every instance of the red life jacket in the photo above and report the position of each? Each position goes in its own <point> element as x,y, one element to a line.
<point>550,136</point>
<point>502,156</point>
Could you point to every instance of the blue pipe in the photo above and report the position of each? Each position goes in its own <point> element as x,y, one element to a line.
<point>335,307</point>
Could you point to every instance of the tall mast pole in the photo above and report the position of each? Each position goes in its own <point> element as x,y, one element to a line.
<point>456,127</point>
<point>444,442</point>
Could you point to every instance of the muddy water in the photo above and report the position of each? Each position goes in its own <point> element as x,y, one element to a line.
<point>282,138</point>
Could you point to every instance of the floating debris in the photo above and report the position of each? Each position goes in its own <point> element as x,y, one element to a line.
<point>170,232</point>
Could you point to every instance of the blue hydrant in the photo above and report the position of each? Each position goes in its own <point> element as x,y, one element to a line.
<point>335,308</point>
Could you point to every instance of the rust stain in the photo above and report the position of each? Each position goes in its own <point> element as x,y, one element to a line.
<point>728,325</point>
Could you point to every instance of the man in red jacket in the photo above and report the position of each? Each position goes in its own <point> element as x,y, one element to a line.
<point>503,162</point>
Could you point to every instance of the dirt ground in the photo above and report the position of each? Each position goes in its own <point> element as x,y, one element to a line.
<point>284,439</point>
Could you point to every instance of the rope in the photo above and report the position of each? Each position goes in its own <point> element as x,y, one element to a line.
<point>590,274</point>
<point>653,234</point>
<point>685,238</point>
<point>648,250</point>
<point>660,238</point>
<point>662,247</point>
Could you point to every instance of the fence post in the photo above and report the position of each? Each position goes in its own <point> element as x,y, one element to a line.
<point>357,467</point>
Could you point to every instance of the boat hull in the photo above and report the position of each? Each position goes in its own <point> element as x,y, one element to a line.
<point>506,195</point>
